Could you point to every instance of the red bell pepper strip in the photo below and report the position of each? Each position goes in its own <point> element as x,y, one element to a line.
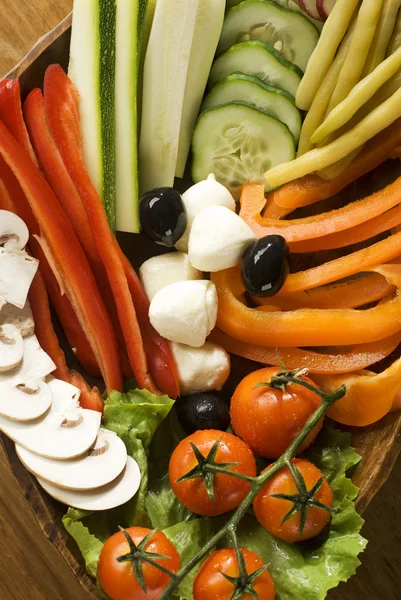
<point>5,198</point>
<point>69,258</point>
<point>89,398</point>
<point>60,115</point>
<point>11,114</point>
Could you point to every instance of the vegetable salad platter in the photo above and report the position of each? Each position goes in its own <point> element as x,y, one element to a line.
<point>200,279</point>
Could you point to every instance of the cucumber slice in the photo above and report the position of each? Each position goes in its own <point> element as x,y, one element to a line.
<point>259,60</point>
<point>288,31</point>
<point>292,4</point>
<point>238,144</point>
<point>252,91</point>
<point>92,69</point>
<point>130,17</point>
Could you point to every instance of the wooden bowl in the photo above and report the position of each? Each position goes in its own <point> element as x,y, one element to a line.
<point>378,444</point>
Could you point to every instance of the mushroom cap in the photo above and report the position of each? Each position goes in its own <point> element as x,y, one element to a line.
<point>14,234</point>
<point>97,467</point>
<point>17,271</point>
<point>114,494</point>
<point>11,347</point>
<point>65,431</point>
<point>25,402</point>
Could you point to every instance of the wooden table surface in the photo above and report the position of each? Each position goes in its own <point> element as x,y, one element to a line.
<point>30,568</point>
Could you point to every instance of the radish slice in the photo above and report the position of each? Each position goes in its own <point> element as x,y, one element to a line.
<point>324,8</point>
<point>309,6</point>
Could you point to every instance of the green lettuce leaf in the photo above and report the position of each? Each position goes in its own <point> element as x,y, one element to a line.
<point>89,545</point>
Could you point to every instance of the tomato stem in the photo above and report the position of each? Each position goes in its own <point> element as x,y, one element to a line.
<point>259,482</point>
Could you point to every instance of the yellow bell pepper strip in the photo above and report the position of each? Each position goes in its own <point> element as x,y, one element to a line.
<point>345,266</point>
<point>354,235</point>
<point>311,188</point>
<point>317,112</point>
<point>252,202</point>
<point>89,398</point>
<point>381,117</point>
<point>349,294</point>
<point>333,32</point>
<point>307,327</point>
<point>61,108</point>
<point>384,32</point>
<point>68,257</point>
<point>358,96</point>
<point>345,359</point>
<point>366,25</point>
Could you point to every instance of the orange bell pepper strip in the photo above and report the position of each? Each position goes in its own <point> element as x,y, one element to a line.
<point>348,294</point>
<point>11,114</point>
<point>295,230</point>
<point>273,210</point>
<point>345,266</point>
<point>68,257</point>
<point>89,398</point>
<point>312,188</point>
<point>306,327</point>
<point>344,359</point>
<point>57,103</point>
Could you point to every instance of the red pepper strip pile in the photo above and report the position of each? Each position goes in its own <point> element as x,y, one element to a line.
<point>158,351</point>
<point>346,359</point>
<point>69,258</point>
<point>60,115</point>
<point>11,114</point>
<point>89,398</point>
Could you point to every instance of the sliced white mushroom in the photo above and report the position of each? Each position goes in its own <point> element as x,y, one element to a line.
<point>25,402</point>
<point>14,233</point>
<point>17,271</point>
<point>160,271</point>
<point>100,465</point>
<point>35,364</point>
<point>114,494</point>
<point>21,318</point>
<point>218,239</point>
<point>65,431</point>
<point>11,347</point>
<point>185,312</point>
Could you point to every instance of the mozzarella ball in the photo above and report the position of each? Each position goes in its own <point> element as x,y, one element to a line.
<point>160,271</point>
<point>201,369</point>
<point>185,312</point>
<point>218,239</point>
<point>200,196</point>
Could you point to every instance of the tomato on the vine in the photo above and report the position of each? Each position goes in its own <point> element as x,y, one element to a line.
<point>119,580</point>
<point>305,513</point>
<point>204,490</point>
<point>269,419</point>
<point>211,583</point>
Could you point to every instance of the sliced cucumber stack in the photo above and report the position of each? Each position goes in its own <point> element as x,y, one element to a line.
<point>259,60</point>
<point>288,31</point>
<point>252,91</point>
<point>239,144</point>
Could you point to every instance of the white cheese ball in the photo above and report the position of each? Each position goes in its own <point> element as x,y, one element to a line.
<point>160,271</point>
<point>201,369</point>
<point>200,196</point>
<point>218,239</point>
<point>185,312</point>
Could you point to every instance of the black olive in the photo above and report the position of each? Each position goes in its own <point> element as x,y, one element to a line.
<point>265,266</point>
<point>163,215</point>
<point>202,411</point>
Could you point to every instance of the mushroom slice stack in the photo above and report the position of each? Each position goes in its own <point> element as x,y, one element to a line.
<point>114,494</point>
<point>97,467</point>
<point>21,318</point>
<point>63,432</point>
<point>24,396</point>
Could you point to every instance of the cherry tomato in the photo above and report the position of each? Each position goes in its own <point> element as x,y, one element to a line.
<point>228,491</point>
<point>210,583</point>
<point>270,419</point>
<point>270,511</point>
<point>118,578</point>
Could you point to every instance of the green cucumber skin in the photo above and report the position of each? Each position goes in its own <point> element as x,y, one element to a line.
<point>107,37</point>
<point>267,99</point>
